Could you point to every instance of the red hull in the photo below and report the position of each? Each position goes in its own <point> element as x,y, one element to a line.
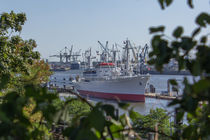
<point>114,96</point>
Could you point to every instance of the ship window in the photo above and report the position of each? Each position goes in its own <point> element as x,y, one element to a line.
<point>140,83</point>
<point>87,80</point>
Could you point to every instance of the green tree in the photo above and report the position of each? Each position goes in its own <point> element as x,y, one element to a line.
<point>144,124</point>
<point>17,56</point>
<point>22,97</point>
<point>196,96</point>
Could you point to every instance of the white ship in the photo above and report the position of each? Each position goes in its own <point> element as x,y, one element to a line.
<point>110,82</point>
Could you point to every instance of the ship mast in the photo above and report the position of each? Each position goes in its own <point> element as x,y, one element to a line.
<point>127,64</point>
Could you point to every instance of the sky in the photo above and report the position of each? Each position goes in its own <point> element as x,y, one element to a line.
<point>55,24</point>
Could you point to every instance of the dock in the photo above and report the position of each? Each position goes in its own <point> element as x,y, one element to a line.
<point>158,96</point>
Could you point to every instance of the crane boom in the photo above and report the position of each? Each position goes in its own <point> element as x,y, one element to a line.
<point>134,54</point>
<point>105,48</point>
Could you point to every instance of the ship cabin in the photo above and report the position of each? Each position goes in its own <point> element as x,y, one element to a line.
<point>105,69</point>
<point>102,70</point>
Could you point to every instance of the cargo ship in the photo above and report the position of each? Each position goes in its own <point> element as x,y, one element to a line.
<point>107,83</point>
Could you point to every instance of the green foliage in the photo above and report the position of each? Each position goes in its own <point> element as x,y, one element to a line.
<point>69,109</point>
<point>165,3</point>
<point>25,105</point>
<point>16,54</point>
<point>101,123</point>
<point>178,32</point>
<point>156,29</point>
<point>94,125</point>
<point>146,123</point>
<point>196,95</point>
<point>15,123</point>
<point>11,21</point>
<point>203,19</point>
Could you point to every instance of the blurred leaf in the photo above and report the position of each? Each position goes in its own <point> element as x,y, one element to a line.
<point>190,4</point>
<point>173,82</point>
<point>168,2</point>
<point>164,3</point>
<point>196,68</point>
<point>201,85</point>
<point>110,110</point>
<point>179,116</point>
<point>97,119</point>
<point>174,102</point>
<point>161,2</point>
<point>203,19</point>
<point>187,43</point>
<point>203,39</point>
<point>123,105</point>
<point>134,115</point>
<point>178,32</point>
<point>115,128</point>
<point>4,79</point>
<point>196,31</point>
<point>156,29</point>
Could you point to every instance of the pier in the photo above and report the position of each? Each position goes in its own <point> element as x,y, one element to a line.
<point>159,96</point>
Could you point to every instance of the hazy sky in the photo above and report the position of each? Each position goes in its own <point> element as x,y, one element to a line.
<point>55,24</point>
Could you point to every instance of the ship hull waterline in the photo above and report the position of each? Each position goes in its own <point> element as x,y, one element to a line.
<point>125,89</point>
<point>113,96</point>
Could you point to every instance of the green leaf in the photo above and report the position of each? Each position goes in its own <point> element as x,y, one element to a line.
<point>196,68</point>
<point>179,116</point>
<point>134,115</point>
<point>174,102</point>
<point>173,82</point>
<point>123,105</point>
<point>187,43</point>
<point>164,3</point>
<point>203,39</point>
<point>4,79</point>
<point>203,19</point>
<point>97,119</point>
<point>115,128</point>
<point>161,2</point>
<point>196,31</point>
<point>201,85</point>
<point>110,110</point>
<point>190,4</point>
<point>156,29</point>
<point>168,2</point>
<point>178,32</point>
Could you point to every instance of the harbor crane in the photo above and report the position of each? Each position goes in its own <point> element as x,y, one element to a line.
<point>63,54</point>
<point>127,48</point>
<point>88,57</point>
<point>133,51</point>
<point>75,55</point>
<point>67,55</point>
<point>106,52</point>
<point>143,54</point>
<point>114,52</point>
